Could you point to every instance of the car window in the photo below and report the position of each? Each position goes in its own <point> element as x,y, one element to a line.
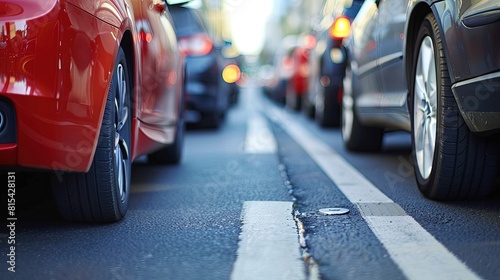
<point>187,22</point>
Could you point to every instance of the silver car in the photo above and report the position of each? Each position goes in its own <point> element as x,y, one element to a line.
<point>431,68</point>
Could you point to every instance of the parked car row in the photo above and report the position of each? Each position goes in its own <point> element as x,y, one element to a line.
<point>328,62</point>
<point>208,94</point>
<point>431,68</point>
<point>311,67</point>
<point>86,88</point>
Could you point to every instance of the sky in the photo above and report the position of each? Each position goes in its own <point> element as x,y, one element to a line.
<point>248,23</point>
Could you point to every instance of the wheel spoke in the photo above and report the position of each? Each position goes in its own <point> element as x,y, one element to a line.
<point>432,84</point>
<point>121,117</point>
<point>347,107</point>
<point>425,106</point>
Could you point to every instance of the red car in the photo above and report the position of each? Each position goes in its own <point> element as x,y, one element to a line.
<point>298,84</point>
<point>86,86</point>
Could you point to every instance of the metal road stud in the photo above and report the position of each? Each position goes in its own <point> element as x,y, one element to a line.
<point>334,211</point>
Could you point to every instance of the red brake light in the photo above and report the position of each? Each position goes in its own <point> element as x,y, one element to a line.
<point>341,28</point>
<point>145,36</point>
<point>310,41</point>
<point>196,45</point>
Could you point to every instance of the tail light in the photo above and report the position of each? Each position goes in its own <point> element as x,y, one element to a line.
<point>310,41</point>
<point>341,28</point>
<point>196,45</point>
<point>145,36</point>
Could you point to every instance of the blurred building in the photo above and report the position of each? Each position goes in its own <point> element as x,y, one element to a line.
<point>288,17</point>
<point>217,19</point>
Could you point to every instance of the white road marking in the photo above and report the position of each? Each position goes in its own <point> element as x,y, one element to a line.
<point>259,139</point>
<point>268,247</point>
<point>417,253</point>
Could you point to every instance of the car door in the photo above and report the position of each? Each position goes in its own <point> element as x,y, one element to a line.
<point>390,37</point>
<point>364,50</point>
<point>161,60</point>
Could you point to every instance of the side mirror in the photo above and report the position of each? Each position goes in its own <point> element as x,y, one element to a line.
<point>177,2</point>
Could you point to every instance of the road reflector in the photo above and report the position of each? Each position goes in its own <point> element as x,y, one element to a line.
<point>334,211</point>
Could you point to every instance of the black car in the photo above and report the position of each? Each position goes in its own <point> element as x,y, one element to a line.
<point>208,95</point>
<point>431,68</point>
<point>328,61</point>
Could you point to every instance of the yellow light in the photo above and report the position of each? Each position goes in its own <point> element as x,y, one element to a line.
<point>231,74</point>
<point>341,28</point>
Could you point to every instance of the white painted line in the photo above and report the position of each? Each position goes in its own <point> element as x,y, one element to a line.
<point>349,180</point>
<point>259,139</point>
<point>417,253</point>
<point>269,246</point>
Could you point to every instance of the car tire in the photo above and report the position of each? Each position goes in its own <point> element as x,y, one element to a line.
<point>213,120</point>
<point>308,107</point>
<point>356,136</point>
<point>450,162</point>
<point>327,109</point>
<point>172,154</point>
<point>292,99</point>
<point>102,194</point>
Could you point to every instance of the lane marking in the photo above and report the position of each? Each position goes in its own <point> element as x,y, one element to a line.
<point>416,252</point>
<point>269,246</point>
<point>259,139</point>
<point>381,209</point>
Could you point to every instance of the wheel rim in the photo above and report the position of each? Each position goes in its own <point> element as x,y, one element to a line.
<point>347,108</point>
<point>425,106</point>
<point>121,145</point>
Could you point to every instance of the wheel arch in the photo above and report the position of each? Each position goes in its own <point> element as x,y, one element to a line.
<point>443,12</point>
<point>418,13</point>
<point>128,45</point>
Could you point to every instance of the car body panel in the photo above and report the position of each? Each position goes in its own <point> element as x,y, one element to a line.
<point>328,57</point>
<point>56,72</point>
<point>56,63</point>
<point>381,53</point>
<point>299,79</point>
<point>207,93</point>
<point>161,72</point>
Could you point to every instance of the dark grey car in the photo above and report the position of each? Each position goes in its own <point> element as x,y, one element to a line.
<point>431,68</point>
<point>327,62</point>
<point>208,95</point>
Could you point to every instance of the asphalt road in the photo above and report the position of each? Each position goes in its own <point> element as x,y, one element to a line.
<point>188,221</point>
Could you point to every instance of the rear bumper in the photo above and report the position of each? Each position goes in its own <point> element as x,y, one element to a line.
<point>40,136</point>
<point>55,70</point>
<point>478,100</point>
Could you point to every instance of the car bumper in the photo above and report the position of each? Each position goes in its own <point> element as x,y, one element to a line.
<point>199,105</point>
<point>39,136</point>
<point>54,78</point>
<point>478,100</point>
<point>206,92</point>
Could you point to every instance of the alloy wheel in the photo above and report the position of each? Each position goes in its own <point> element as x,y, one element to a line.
<point>425,107</point>
<point>121,150</point>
